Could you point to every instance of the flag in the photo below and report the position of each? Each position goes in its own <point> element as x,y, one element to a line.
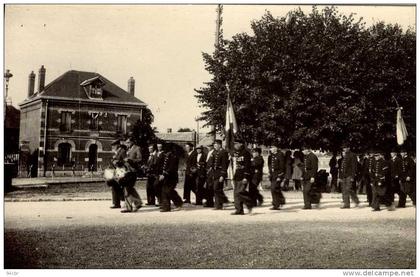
<point>231,128</point>
<point>401,130</point>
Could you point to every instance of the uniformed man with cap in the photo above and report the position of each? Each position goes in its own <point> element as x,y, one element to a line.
<point>190,172</point>
<point>117,160</point>
<point>380,178</point>
<point>220,166</point>
<point>347,173</point>
<point>367,169</point>
<point>151,172</point>
<point>209,186</point>
<point>242,178</point>
<point>169,178</point>
<point>310,169</point>
<point>159,168</point>
<point>201,175</point>
<point>276,169</point>
<point>408,179</point>
<point>257,165</point>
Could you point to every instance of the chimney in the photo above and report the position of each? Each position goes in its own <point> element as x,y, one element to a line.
<point>131,84</point>
<point>31,84</point>
<point>169,130</point>
<point>41,79</point>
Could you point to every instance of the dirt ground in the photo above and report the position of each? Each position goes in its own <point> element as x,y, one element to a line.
<point>87,234</point>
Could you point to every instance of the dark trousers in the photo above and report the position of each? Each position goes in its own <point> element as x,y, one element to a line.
<point>306,193</point>
<point>407,188</point>
<point>276,193</point>
<point>117,192</point>
<point>286,185</point>
<point>189,185</point>
<point>365,183</point>
<point>131,197</point>
<point>170,194</point>
<point>209,189</point>
<point>378,192</point>
<point>349,192</point>
<point>158,185</point>
<point>254,192</point>
<point>298,184</point>
<point>150,189</point>
<point>200,192</point>
<point>242,196</point>
<point>219,194</point>
<point>334,184</point>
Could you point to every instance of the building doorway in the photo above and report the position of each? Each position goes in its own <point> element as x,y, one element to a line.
<point>93,157</point>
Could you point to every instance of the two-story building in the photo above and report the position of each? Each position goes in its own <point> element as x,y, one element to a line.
<point>69,124</point>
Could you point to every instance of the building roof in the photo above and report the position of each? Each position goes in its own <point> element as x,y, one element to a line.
<point>68,86</point>
<point>204,138</point>
<point>12,119</point>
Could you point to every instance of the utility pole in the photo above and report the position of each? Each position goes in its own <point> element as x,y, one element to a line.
<point>219,19</point>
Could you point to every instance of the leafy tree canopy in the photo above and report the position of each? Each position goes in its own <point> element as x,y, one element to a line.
<point>315,80</point>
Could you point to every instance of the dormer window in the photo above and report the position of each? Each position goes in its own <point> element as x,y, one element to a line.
<point>93,87</point>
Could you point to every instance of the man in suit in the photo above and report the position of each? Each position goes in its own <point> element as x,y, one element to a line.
<point>242,178</point>
<point>276,169</point>
<point>347,174</point>
<point>209,187</point>
<point>160,155</point>
<point>132,163</point>
<point>190,172</point>
<point>220,166</point>
<point>257,165</point>
<point>151,171</point>
<point>117,160</point>
<point>408,180</point>
<point>396,171</point>
<point>169,178</point>
<point>310,169</point>
<point>200,176</point>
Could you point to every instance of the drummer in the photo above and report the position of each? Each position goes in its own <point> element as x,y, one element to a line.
<point>117,160</point>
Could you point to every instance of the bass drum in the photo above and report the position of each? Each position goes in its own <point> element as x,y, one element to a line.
<point>109,174</point>
<point>120,172</point>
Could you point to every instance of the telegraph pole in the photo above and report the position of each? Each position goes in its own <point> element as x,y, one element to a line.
<point>219,19</point>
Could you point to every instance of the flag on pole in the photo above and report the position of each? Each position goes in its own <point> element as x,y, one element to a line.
<point>401,129</point>
<point>231,128</point>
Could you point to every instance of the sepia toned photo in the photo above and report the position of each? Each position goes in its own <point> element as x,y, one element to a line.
<point>210,136</point>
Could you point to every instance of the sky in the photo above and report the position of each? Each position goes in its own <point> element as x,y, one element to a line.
<point>161,46</point>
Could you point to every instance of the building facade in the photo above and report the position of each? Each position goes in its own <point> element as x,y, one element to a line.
<point>68,125</point>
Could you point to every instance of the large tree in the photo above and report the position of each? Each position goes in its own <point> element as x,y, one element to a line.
<point>317,79</point>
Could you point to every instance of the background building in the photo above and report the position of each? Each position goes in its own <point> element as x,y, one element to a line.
<point>68,125</point>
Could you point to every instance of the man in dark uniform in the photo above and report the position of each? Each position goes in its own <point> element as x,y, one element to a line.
<point>408,180</point>
<point>276,169</point>
<point>159,164</point>
<point>116,188</point>
<point>334,172</point>
<point>190,172</point>
<point>209,187</point>
<point>347,174</point>
<point>379,185</point>
<point>257,165</point>
<point>220,166</point>
<point>242,178</point>
<point>201,175</point>
<point>396,171</point>
<point>151,171</point>
<point>169,177</point>
<point>310,169</point>
<point>367,169</point>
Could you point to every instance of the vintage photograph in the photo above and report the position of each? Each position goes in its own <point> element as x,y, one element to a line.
<point>210,136</point>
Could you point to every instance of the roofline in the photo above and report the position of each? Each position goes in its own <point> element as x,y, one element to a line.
<point>88,101</point>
